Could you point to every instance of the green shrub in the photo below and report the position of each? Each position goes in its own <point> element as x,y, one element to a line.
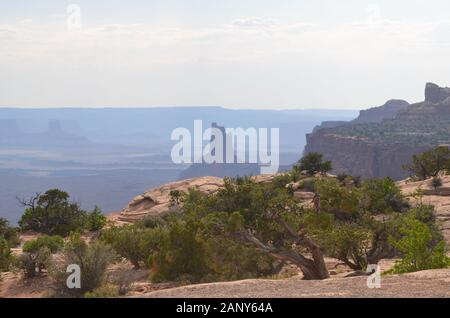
<point>32,264</point>
<point>52,213</point>
<point>208,227</point>
<point>178,253</point>
<point>382,196</point>
<point>152,221</point>
<point>429,163</point>
<point>417,250</point>
<point>106,291</point>
<point>436,183</point>
<point>308,184</point>
<point>53,243</point>
<point>313,163</point>
<point>341,202</point>
<point>9,233</point>
<point>95,220</point>
<point>282,180</point>
<point>130,242</point>
<point>37,253</point>
<point>5,256</point>
<point>349,243</point>
<point>176,197</point>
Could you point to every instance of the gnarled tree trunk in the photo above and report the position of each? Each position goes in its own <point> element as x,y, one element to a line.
<point>311,268</point>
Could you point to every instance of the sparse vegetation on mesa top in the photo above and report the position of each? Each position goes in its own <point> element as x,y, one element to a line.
<point>412,131</point>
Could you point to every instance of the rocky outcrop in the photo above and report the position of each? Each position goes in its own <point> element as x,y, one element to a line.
<point>381,140</point>
<point>435,94</point>
<point>329,124</point>
<point>378,114</point>
<point>157,201</point>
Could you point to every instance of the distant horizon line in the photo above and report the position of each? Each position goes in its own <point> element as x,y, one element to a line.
<point>172,107</point>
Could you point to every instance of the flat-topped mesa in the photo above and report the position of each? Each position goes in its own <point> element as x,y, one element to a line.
<point>435,94</point>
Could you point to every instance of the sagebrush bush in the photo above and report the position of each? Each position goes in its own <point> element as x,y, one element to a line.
<point>93,260</point>
<point>37,253</point>
<point>33,263</point>
<point>152,221</point>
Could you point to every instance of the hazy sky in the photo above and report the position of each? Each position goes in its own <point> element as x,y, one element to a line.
<point>232,53</point>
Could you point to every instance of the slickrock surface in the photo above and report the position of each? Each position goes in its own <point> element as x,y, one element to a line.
<point>157,201</point>
<point>434,283</point>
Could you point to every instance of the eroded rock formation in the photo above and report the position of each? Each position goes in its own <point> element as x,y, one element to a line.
<point>157,201</point>
<point>435,94</point>
<point>381,140</point>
